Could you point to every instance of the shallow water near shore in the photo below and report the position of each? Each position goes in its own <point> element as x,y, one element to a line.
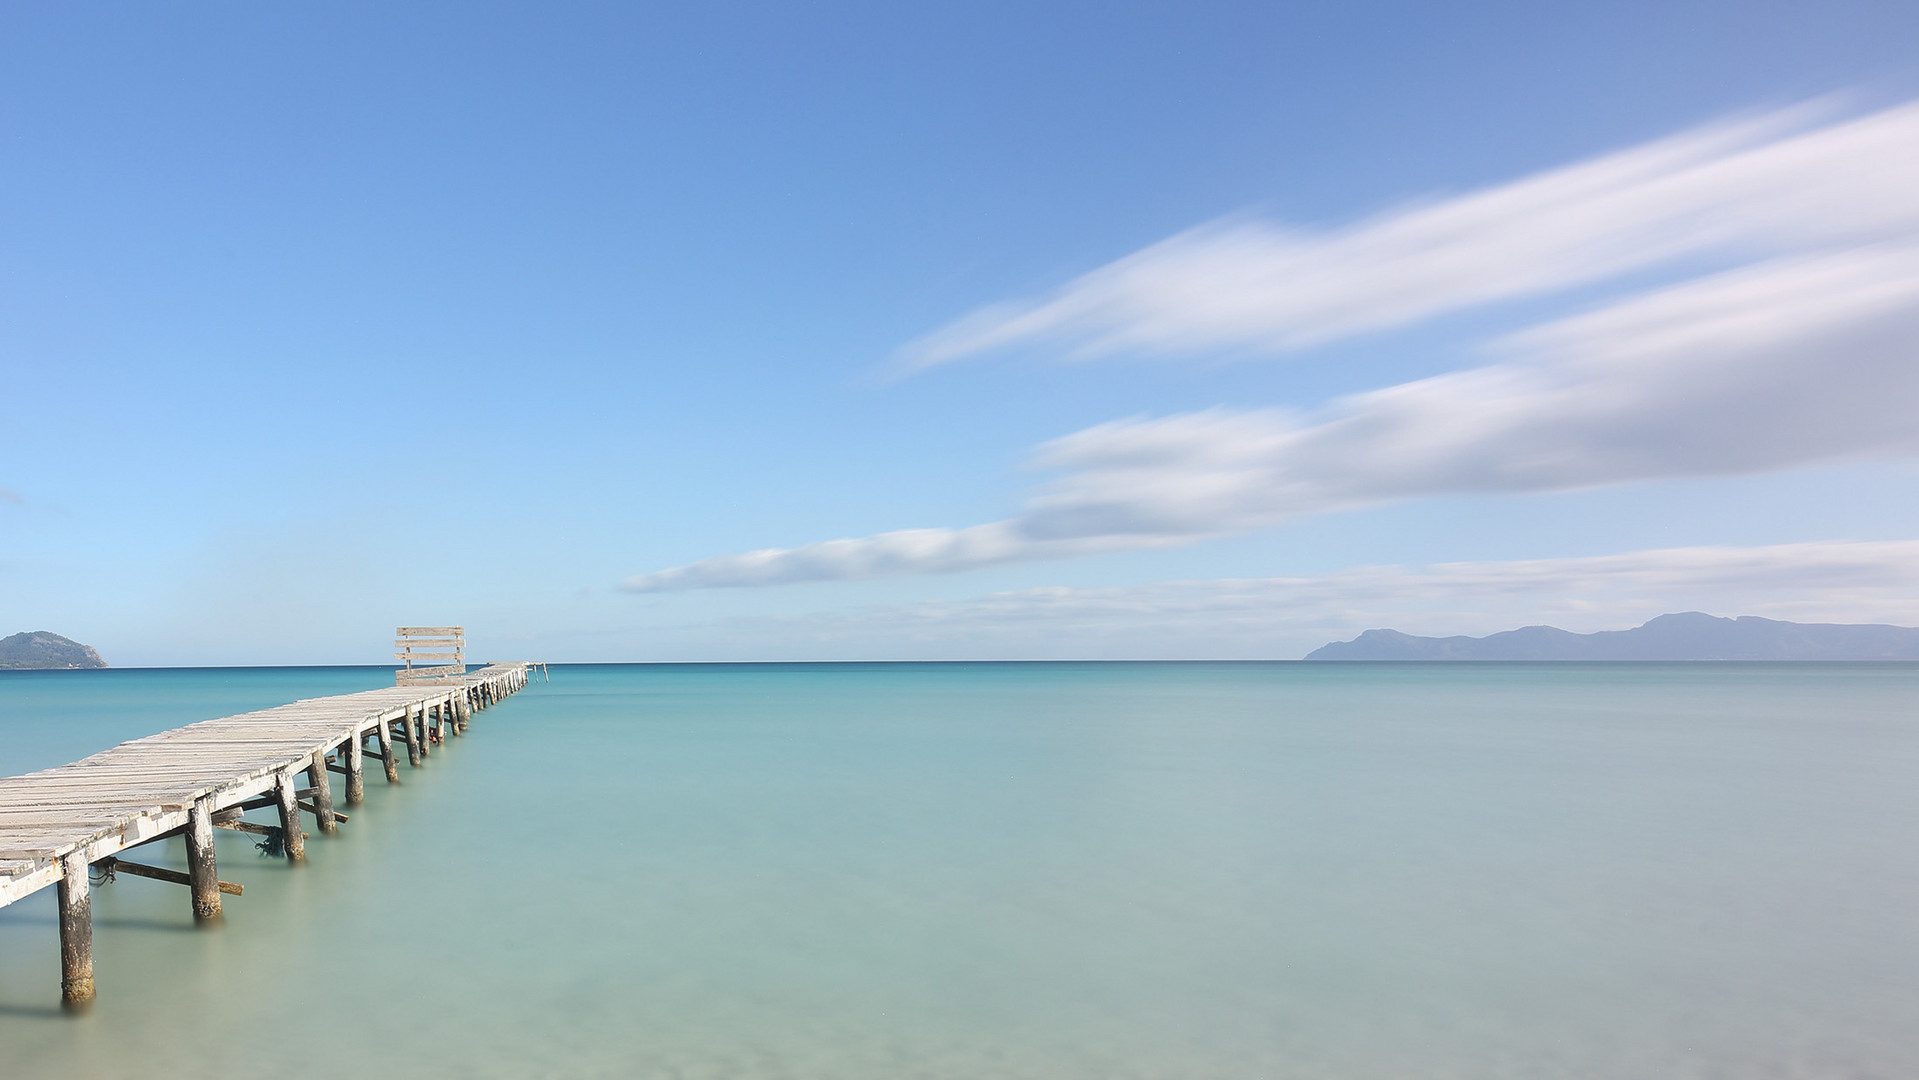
<point>1035,870</point>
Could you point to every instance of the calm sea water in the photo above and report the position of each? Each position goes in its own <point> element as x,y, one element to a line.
<point>1037,870</point>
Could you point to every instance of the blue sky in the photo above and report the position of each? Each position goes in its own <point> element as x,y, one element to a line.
<point>537,317</point>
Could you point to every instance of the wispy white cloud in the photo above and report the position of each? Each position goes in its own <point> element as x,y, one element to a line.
<point>1773,185</point>
<point>1790,363</point>
<point>889,554</point>
<point>1283,617</point>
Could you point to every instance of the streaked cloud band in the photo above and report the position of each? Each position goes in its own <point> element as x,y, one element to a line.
<point>1804,350</point>
<point>1792,363</point>
<point>1771,185</point>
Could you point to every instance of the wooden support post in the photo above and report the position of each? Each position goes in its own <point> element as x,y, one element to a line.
<point>426,744</point>
<point>355,771</point>
<point>295,840</point>
<point>322,792</point>
<point>76,931</point>
<point>461,713</point>
<point>201,869</point>
<point>386,752</point>
<point>412,740</point>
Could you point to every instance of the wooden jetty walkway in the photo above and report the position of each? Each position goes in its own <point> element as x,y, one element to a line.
<point>57,823</point>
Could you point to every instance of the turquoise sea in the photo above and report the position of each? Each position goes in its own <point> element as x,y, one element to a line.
<point>1058,871</point>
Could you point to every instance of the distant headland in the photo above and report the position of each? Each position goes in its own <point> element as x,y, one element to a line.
<point>45,649</point>
<point>1691,635</point>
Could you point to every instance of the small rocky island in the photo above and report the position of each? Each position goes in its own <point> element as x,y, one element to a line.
<point>39,649</point>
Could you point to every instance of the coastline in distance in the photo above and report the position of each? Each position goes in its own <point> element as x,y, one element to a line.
<point>1689,635</point>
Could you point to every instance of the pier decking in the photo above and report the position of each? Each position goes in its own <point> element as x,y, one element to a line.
<point>56,823</point>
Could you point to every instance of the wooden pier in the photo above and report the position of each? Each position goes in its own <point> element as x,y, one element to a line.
<point>57,823</point>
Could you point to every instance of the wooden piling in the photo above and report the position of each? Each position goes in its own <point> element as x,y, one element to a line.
<point>203,872</point>
<point>322,793</point>
<point>293,840</point>
<point>391,766</point>
<point>412,739</point>
<point>76,931</point>
<point>355,771</point>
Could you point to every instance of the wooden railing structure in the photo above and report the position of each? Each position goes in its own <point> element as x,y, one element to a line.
<point>440,650</point>
<point>57,823</point>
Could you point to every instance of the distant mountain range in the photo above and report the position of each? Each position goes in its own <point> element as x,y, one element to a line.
<point>45,649</point>
<point>1692,635</point>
